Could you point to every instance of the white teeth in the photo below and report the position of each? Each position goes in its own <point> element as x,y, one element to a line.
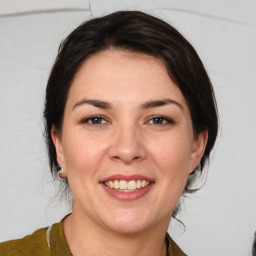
<point>132,184</point>
<point>111,184</point>
<point>144,183</point>
<point>116,184</point>
<point>138,183</point>
<point>126,186</point>
<point>128,190</point>
<point>123,184</point>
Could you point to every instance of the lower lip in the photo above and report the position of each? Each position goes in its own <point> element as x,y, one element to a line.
<point>128,196</point>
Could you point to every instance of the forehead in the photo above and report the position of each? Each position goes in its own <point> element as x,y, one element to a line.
<point>117,75</point>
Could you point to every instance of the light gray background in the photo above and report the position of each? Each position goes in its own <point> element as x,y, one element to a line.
<point>221,218</point>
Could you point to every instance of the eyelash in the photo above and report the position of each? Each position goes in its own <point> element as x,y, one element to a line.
<point>164,119</point>
<point>89,120</point>
<point>92,120</point>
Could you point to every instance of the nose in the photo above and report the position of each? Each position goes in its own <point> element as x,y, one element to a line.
<point>127,145</point>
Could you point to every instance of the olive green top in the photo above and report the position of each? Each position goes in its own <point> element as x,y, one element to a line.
<point>36,244</point>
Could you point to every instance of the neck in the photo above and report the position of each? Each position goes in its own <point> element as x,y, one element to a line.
<point>84,237</point>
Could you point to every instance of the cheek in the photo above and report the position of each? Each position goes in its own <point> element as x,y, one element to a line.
<point>172,154</point>
<point>82,153</point>
<point>172,158</point>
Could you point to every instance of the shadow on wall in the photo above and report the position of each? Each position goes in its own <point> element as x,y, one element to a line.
<point>254,245</point>
<point>29,7</point>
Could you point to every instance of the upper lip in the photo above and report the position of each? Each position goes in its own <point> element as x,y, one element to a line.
<point>126,178</point>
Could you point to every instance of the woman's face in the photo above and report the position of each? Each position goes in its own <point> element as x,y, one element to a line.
<point>127,144</point>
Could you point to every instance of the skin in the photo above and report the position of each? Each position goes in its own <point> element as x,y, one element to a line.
<point>129,136</point>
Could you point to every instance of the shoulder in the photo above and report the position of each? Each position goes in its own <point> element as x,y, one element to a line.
<point>173,248</point>
<point>34,244</point>
<point>58,242</point>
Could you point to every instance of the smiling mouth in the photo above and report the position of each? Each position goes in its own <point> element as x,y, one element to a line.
<point>127,186</point>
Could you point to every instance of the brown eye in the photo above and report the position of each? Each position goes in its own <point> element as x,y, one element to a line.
<point>160,120</point>
<point>95,120</point>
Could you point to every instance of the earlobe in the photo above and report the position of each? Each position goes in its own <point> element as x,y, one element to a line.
<point>198,149</point>
<point>56,138</point>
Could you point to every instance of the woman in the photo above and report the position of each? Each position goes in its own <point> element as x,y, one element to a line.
<point>130,119</point>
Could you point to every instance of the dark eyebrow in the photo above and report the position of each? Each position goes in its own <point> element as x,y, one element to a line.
<point>93,102</point>
<point>159,103</point>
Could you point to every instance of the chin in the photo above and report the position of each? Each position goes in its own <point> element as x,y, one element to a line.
<point>130,223</point>
<point>128,228</point>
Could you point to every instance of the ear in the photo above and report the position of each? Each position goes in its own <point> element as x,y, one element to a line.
<point>56,138</point>
<point>198,149</point>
